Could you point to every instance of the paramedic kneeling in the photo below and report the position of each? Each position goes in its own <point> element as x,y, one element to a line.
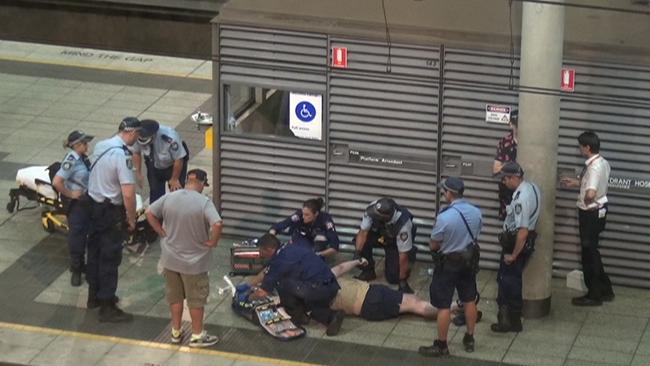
<point>111,187</point>
<point>303,280</point>
<point>71,181</point>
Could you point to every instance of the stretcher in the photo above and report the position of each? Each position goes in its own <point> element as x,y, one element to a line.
<point>35,185</point>
<point>265,312</point>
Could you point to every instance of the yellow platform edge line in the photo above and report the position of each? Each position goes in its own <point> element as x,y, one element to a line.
<point>100,67</point>
<point>149,344</point>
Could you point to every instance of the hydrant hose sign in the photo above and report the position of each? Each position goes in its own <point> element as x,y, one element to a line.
<point>306,115</point>
<point>497,113</point>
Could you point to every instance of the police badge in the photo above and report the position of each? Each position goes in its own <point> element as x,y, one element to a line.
<point>66,165</point>
<point>518,208</point>
<point>129,163</point>
<point>403,236</point>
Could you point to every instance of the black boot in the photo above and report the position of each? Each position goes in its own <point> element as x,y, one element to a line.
<point>110,313</point>
<point>367,274</point>
<point>515,321</point>
<point>75,279</point>
<point>404,287</point>
<point>93,303</point>
<point>438,349</point>
<point>503,324</point>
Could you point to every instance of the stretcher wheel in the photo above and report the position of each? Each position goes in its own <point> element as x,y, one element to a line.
<point>48,225</point>
<point>11,206</point>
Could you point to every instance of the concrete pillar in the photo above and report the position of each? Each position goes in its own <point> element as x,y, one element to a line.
<point>542,40</point>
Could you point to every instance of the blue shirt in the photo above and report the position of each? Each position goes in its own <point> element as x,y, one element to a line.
<point>296,261</point>
<point>74,172</point>
<point>322,228</point>
<point>112,167</point>
<point>450,229</point>
<point>523,211</point>
<point>167,147</point>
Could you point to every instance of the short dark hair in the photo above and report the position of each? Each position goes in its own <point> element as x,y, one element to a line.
<point>314,204</point>
<point>589,138</point>
<point>514,117</point>
<point>269,241</point>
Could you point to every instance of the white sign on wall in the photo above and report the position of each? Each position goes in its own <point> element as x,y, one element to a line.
<point>497,113</point>
<point>306,119</point>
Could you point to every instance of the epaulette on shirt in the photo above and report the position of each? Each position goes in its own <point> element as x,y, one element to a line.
<point>167,139</point>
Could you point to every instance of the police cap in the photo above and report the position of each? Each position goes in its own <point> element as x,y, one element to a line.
<point>149,129</point>
<point>130,124</point>
<point>453,184</point>
<point>76,137</point>
<point>511,169</point>
<point>382,210</point>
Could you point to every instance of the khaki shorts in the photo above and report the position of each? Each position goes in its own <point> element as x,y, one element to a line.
<point>194,288</point>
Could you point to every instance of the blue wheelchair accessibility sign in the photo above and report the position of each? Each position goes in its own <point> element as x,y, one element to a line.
<point>305,111</point>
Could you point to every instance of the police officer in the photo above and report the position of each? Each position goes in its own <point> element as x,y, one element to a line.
<point>517,241</point>
<point>165,156</point>
<point>455,249</point>
<point>387,224</point>
<point>303,281</point>
<point>71,181</point>
<point>112,190</point>
<point>312,224</point>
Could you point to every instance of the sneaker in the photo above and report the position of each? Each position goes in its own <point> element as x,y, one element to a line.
<point>468,342</point>
<point>438,349</point>
<point>176,337</point>
<point>204,340</point>
<point>334,326</point>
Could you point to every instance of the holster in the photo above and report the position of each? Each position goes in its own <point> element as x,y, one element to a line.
<point>467,259</point>
<point>508,240</point>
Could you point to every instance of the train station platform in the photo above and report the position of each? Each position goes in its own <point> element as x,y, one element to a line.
<point>47,91</point>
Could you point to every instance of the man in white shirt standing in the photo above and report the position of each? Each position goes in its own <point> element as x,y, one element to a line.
<point>592,215</point>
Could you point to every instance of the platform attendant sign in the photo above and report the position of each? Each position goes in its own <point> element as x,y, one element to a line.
<point>306,118</point>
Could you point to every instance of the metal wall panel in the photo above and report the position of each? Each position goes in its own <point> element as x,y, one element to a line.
<point>264,179</point>
<point>384,114</point>
<point>472,80</point>
<point>262,182</point>
<point>610,100</point>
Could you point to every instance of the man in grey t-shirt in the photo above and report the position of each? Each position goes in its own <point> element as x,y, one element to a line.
<point>192,227</point>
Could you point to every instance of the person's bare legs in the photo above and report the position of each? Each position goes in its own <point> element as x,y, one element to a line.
<point>413,304</point>
<point>443,319</point>
<point>196,314</point>
<point>176,310</point>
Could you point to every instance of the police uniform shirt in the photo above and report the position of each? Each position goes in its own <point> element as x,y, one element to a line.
<point>323,225</point>
<point>74,172</point>
<point>450,230</point>
<point>167,147</point>
<point>110,170</point>
<point>297,262</point>
<point>523,211</point>
<point>596,177</point>
<point>404,237</point>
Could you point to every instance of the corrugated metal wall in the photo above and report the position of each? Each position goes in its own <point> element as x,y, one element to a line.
<point>472,80</point>
<point>396,113</point>
<point>611,100</point>
<point>390,105</point>
<point>265,179</point>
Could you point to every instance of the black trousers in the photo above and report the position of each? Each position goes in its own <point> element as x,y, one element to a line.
<point>596,280</point>
<point>107,233</point>
<point>391,259</point>
<point>296,295</point>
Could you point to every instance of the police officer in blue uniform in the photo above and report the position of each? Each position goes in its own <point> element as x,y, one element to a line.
<point>518,241</point>
<point>303,280</point>
<point>165,156</point>
<point>390,226</point>
<point>455,251</point>
<point>71,181</point>
<point>113,212</point>
<point>312,224</point>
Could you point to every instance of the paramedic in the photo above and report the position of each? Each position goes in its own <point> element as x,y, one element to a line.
<point>312,224</point>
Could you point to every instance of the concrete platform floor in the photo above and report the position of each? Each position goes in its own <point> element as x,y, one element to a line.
<point>45,92</point>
